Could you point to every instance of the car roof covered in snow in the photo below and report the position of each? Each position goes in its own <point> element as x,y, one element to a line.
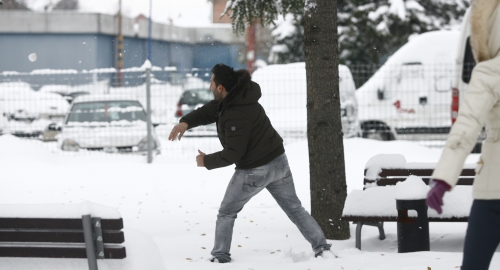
<point>95,98</point>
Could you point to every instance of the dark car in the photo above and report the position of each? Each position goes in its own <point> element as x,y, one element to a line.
<point>190,100</point>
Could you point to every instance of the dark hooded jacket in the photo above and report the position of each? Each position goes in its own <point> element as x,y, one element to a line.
<point>244,130</point>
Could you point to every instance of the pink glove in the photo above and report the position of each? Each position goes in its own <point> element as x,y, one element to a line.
<point>435,195</point>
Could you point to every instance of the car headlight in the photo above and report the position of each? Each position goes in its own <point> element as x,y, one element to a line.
<point>70,145</point>
<point>143,144</point>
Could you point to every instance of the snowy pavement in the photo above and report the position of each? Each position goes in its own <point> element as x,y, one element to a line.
<point>169,209</point>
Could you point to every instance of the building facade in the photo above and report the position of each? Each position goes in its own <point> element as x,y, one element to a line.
<point>83,41</point>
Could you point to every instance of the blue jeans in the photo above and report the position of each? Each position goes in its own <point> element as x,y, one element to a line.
<point>483,235</point>
<point>276,177</point>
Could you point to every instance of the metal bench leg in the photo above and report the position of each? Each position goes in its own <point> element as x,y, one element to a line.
<point>381,231</point>
<point>89,241</point>
<point>358,234</point>
<point>379,225</point>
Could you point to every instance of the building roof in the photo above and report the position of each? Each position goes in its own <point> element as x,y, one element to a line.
<point>69,22</point>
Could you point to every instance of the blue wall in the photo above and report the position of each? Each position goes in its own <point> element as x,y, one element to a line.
<point>209,54</point>
<point>89,51</point>
<point>53,52</point>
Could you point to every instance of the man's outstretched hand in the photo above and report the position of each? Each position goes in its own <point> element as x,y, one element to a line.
<point>178,131</point>
<point>435,195</point>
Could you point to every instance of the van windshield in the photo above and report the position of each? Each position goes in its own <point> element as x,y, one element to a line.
<point>107,111</point>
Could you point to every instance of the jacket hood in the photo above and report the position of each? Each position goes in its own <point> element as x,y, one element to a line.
<point>244,92</point>
<point>485,29</point>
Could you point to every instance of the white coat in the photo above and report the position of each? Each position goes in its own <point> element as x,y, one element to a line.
<point>481,107</point>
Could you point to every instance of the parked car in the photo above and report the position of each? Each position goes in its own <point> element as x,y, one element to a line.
<point>284,97</point>
<point>192,99</point>
<point>409,97</point>
<point>29,112</point>
<point>23,115</point>
<point>4,122</point>
<point>106,123</point>
<point>50,132</point>
<point>69,97</point>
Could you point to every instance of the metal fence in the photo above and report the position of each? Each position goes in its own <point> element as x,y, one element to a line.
<point>101,112</point>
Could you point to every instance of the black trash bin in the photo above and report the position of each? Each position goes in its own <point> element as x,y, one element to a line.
<point>413,232</point>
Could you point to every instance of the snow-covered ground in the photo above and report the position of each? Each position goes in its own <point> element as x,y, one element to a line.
<point>174,203</point>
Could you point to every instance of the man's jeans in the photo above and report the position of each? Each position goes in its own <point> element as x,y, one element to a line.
<point>277,178</point>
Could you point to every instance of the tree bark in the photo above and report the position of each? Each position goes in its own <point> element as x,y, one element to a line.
<point>324,127</point>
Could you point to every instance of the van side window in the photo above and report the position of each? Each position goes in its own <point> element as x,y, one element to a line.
<point>468,63</point>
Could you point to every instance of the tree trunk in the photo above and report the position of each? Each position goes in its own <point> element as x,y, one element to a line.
<point>324,127</point>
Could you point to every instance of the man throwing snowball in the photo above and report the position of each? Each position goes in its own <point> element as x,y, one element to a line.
<point>249,141</point>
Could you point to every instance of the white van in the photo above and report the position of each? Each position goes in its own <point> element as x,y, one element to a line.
<point>284,97</point>
<point>409,97</point>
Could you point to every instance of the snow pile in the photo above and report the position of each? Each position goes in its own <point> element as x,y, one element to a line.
<point>413,188</point>
<point>55,210</point>
<point>53,71</point>
<point>375,164</point>
<point>381,201</point>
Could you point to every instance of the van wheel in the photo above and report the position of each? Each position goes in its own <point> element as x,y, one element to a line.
<point>376,131</point>
<point>379,135</point>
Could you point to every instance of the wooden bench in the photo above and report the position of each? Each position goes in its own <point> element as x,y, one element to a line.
<point>87,237</point>
<point>362,207</point>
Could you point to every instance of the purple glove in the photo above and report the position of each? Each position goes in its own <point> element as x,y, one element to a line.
<point>435,195</point>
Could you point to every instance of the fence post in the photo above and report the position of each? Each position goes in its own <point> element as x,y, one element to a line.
<point>89,241</point>
<point>148,108</point>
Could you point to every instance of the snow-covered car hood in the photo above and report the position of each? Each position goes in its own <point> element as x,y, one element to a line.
<point>104,134</point>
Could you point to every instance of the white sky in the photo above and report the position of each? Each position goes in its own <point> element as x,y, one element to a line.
<point>183,13</point>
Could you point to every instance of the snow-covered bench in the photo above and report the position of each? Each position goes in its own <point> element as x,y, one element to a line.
<point>84,230</point>
<point>376,204</point>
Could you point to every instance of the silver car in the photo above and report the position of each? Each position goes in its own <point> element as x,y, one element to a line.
<point>106,123</point>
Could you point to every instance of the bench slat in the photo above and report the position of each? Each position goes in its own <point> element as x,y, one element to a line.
<point>52,223</point>
<point>59,252</point>
<point>393,181</point>
<point>111,237</point>
<point>419,172</point>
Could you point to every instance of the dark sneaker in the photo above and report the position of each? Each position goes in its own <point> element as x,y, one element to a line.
<point>325,249</point>
<point>318,253</point>
<point>217,260</point>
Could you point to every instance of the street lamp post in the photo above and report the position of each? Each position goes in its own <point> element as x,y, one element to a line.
<point>119,64</point>
<point>149,29</point>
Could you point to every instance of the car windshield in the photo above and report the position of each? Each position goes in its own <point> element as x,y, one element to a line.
<point>107,111</point>
<point>197,96</point>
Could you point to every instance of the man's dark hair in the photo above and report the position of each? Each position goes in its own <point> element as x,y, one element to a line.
<point>224,75</point>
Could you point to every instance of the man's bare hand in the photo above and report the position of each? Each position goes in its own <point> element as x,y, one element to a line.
<point>178,131</point>
<point>199,159</point>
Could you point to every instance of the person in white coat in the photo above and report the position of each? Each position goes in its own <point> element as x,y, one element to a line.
<point>481,107</point>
